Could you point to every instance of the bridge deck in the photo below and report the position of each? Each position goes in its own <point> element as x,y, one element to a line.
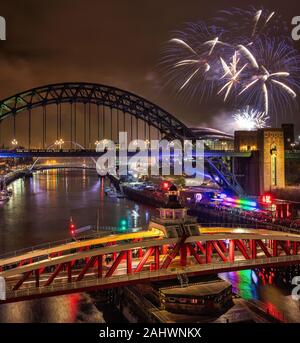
<point>120,259</point>
<point>70,245</point>
<point>91,282</point>
<point>94,153</point>
<point>44,258</point>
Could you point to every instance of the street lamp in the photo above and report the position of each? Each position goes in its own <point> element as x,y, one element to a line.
<point>14,142</point>
<point>224,145</point>
<point>59,142</point>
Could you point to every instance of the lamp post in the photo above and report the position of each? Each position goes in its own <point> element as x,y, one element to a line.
<point>59,143</point>
<point>14,142</point>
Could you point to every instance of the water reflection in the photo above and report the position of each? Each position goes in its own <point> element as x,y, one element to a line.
<point>41,207</point>
<point>61,309</point>
<point>38,212</point>
<point>274,299</point>
<point>243,283</point>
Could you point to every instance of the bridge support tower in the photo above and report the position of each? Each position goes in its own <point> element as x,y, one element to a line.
<point>265,170</point>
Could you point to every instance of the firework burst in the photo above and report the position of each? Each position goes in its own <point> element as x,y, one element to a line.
<point>272,82</point>
<point>190,61</point>
<point>233,58</point>
<point>231,74</point>
<point>255,23</point>
<point>250,119</point>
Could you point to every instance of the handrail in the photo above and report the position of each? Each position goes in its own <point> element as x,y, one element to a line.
<point>49,245</point>
<point>54,244</point>
<point>146,274</point>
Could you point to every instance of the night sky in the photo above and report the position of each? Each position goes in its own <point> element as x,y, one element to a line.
<point>113,42</point>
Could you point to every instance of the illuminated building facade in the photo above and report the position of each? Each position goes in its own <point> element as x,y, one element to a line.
<point>265,169</point>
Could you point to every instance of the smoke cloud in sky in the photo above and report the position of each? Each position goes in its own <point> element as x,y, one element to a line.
<point>116,43</point>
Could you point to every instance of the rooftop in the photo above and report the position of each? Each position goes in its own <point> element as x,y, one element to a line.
<point>197,289</point>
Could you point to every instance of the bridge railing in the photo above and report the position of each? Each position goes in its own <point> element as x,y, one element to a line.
<point>104,231</point>
<point>53,244</point>
<point>61,286</point>
<point>257,225</point>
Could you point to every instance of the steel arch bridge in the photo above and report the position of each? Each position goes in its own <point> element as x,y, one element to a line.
<point>127,112</point>
<point>112,97</point>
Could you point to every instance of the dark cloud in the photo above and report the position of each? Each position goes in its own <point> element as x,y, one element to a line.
<point>114,42</point>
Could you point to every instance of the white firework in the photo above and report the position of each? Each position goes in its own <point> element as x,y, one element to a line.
<point>265,79</point>
<point>231,74</point>
<point>199,64</point>
<point>250,119</point>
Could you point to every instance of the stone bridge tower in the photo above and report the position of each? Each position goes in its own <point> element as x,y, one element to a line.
<point>265,169</point>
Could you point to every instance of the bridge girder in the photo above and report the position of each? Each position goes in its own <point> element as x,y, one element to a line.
<point>79,92</point>
<point>112,266</point>
<point>115,98</point>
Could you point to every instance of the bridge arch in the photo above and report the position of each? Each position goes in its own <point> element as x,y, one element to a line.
<point>127,109</point>
<point>100,95</point>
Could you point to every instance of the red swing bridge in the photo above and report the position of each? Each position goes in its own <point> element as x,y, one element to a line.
<point>174,244</point>
<point>122,259</point>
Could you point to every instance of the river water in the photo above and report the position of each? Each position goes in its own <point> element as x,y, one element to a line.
<point>39,212</point>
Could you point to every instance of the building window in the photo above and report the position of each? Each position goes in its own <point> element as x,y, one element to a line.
<point>274,170</point>
<point>273,165</point>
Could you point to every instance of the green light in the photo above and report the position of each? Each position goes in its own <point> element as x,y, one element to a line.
<point>123,226</point>
<point>241,202</point>
<point>248,203</point>
<point>123,222</point>
<point>247,208</point>
<point>246,289</point>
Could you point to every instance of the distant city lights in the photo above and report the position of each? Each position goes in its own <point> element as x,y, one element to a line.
<point>59,143</point>
<point>14,142</point>
<point>244,204</point>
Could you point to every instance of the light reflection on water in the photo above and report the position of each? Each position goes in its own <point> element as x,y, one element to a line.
<point>41,207</point>
<point>39,212</point>
<point>242,283</point>
<point>277,301</point>
<point>62,309</point>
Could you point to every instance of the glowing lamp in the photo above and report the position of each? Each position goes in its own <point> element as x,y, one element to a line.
<point>72,228</point>
<point>123,222</point>
<point>267,199</point>
<point>123,225</point>
<point>165,185</point>
<point>199,197</point>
